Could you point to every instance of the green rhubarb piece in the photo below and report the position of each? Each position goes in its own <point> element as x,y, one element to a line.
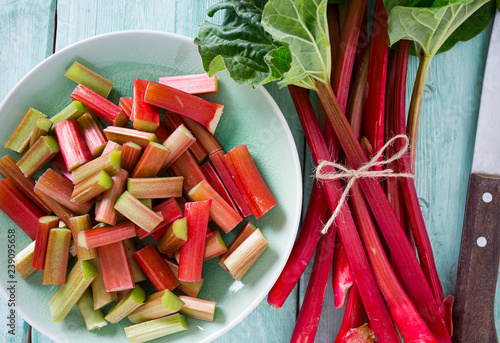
<point>40,153</point>
<point>72,111</point>
<point>156,328</point>
<point>78,280</point>
<point>147,202</point>
<point>100,296</point>
<point>23,261</point>
<point>89,78</point>
<point>20,140</point>
<point>42,128</point>
<point>157,305</point>
<point>91,187</point>
<point>94,319</point>
<point>109,162</point>
<point>137,212</point>
<point>126,305</point>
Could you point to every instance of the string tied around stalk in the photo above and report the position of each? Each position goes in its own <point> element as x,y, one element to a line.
<point>362,172</point>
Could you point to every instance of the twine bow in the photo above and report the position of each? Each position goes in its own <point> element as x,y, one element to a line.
<point>364,171</point>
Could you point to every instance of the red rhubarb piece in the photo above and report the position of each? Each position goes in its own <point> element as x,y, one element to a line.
<point>155,268</point>
<point>145,117</point>
<point>72,144</point>
<point>115,267</point>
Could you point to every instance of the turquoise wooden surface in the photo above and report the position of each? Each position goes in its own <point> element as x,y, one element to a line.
<point>32,30</point>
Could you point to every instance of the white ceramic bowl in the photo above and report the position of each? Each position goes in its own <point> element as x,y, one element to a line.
<point>250,117</point>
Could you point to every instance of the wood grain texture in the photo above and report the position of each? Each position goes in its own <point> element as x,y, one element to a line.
<point>473,310</point>
<point>27,31</point>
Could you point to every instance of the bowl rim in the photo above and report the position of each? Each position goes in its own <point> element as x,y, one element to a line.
<point>296,162</point>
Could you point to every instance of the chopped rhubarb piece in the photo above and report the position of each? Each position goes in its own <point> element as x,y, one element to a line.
<point>77,225</point>
<point>10,170</point>
<point>128,304</point>
<point>161,133</point>
<point>72,111</point>
<point>187,167</point>
<point>170,210</point>
<point>105,212</point>
<point>38,155</point>
<point>245,255</point>
<point>249,181</point>
<point>205,137</point>
<point>57,256</point>
<point>203,111</point>
<point>89,78</point>
<point>223,214</point>
<point>155,268</point>
<point>45,224</point>
<point>20,139</point>
<point>220,165</point>
<point>172,121</point>
<point>111,146</point>
<point>115,267</point>
<point>92,131</point>
<point>214,246</point>
<point>192,84</point>
<point>101,107</point>
<point>89,188</point>
<point>157,305</point>
<point>23,261</point>
<point>156,328</point>
<point>109,162</point>
<point>72,143</point>
<point>42,128</point>
<point>58,162</point>
<point>137,272</point>
<point>198,308</point>
<point>123,135</point>
<point>236,242</point>
<point>173,238</point>
<point>79,279</point>
<point>151,160</point>
<point>214,180</point>
<point>105,235</point>
<point>94,319</point>
<point>145,117</point>
<point>192,252</point>
<point>190,288</point>
<point>19,208</point>
<point>155,187</point>
<point>131,152</point>
<point>137,212</point>
<point>125,103</point>
<point>59,210</point>
<point>99,293</point>
<point>177,143</point>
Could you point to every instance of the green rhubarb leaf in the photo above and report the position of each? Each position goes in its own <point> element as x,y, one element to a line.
<point>301,26</point>
<point>438,28</point>
<point>241,45</point>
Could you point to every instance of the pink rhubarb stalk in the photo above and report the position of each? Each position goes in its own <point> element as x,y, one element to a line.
<point>155,268</point>
<point>19,208</point>
<point>115,267</point>
<point>72,144</point>
<point>77,225</point>
<point>106,235</point>
<point>214,180</point>
<point>192,84</point>
<point>203,111</point>
<point>92,131</point>
<point>45,224</point>
<point>100,106</point>
<point>131,152</point>
<point>192,252</point>
<point>145,117</point>
<point>177,143</point>
<point>122,135</point>
<point>151,160</point>
<point>105,212</point>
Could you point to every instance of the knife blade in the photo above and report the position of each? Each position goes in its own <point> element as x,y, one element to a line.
<point>473,312</point>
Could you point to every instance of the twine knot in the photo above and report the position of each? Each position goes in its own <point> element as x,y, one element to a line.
<point>362,172</point>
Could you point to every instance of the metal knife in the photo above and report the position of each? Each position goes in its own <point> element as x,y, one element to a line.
<point>473,312</point>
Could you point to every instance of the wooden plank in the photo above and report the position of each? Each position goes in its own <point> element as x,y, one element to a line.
<point>27,31</point>
<point>446,142</point>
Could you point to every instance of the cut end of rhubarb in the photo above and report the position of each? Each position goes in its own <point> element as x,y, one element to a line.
<point>213,123</point>
<point>89,270</point>
<point>180,228</point>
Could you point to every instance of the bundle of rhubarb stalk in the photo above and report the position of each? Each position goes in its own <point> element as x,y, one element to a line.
<point>129,204</point>
<point>377,249</point>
